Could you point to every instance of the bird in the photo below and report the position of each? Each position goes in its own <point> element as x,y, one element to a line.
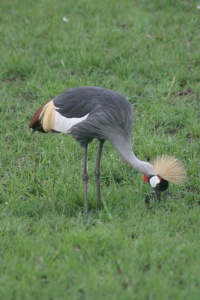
<point>92,112</point>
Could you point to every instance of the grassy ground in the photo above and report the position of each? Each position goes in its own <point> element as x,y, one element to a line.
<point>148,51</point>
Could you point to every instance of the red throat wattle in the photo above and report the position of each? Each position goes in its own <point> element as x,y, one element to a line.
<point>145,178</point>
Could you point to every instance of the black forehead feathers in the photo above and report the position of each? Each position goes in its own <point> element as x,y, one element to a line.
<point>163,185</point>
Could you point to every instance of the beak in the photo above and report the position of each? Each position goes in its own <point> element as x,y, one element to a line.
<point>158,192</point>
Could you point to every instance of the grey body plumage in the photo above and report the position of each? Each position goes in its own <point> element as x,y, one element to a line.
<point>110,117</point>
<point>110,114</point>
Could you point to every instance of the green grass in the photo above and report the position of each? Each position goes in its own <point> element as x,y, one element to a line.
<point>149,52</point>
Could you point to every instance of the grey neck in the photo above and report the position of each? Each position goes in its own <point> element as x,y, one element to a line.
<point>125,150</point>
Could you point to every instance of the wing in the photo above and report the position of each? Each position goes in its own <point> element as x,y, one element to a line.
<point>77,102</point>
<point>109,116</point>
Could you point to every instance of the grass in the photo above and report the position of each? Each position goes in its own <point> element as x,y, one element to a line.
<point>149,52</point>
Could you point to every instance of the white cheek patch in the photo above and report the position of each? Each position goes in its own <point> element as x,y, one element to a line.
<point>63,124</point>
<point>154,181</point>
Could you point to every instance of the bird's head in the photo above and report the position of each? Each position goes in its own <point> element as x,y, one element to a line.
<point>168,169</point>
<point>158,184</point>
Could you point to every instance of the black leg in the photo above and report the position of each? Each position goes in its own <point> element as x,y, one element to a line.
<point>85,181</point>
<point>97,173</point>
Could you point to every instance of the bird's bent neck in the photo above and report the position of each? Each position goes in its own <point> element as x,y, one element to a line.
<point>125,150</point>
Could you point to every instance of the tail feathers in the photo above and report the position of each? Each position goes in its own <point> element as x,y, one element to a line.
<point>43,118</point>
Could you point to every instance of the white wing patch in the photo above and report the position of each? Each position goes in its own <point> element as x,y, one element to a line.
<point>63,124</point>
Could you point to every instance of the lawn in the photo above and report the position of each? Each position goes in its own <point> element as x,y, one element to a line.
<point>149,52</point>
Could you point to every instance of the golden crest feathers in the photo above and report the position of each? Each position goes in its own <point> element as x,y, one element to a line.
<point>169,168</point>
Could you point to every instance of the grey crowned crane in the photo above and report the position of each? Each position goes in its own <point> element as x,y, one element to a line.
<point>89,113</point>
